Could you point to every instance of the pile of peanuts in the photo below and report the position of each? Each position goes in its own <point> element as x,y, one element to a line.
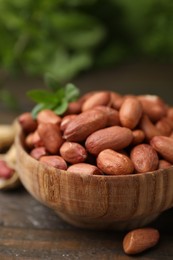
<point>103,133</point>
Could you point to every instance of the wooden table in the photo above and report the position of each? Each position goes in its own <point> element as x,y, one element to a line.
<point>29,230</point>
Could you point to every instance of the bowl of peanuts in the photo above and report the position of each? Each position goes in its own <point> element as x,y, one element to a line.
<point>106,163</point>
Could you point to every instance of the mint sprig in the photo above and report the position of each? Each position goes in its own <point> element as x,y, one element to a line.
<point>57,99</point>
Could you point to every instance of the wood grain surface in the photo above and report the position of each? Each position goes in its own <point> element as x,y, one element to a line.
<point>29,230</point>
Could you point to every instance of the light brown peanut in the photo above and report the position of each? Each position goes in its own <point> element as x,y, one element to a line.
<point>144,158</point>
<point>169,121</point>
<point>36,139</point>
<point>112,115</point>
<point>74,108</point>
<point>37,152</point>
<point>55,161</point>
<point>51,136</point>
<point>163,164</point>
<point>114,137</point>
<point>87,95</point>
<point>101,98</point>
<point>139,240</point>
<point>116,100</point>
<point>84,168</point>
<point>130,112</point>
<point>29,141</point>
<point>138,136</point>
<point>33,140</point>
<point>73,152</point>
<point>170,113</point>
<point>164,146</point>
<point>153,106</point>
<point>84,124</point>
<point>164,126</point>
<point>113,163</point>
<point>148,127</point>
<point>65,121</point>
<point>48,116</point>
<point>27,123</point>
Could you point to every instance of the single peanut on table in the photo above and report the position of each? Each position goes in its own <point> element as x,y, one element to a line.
<point>139,240</point>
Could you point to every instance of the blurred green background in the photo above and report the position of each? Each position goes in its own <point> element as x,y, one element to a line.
<point>67,38</point>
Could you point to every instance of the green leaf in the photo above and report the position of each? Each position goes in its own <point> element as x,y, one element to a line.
<point>60,94</point>
<point>42,96</point>
<point>71,92</point>
<point>61,108</point>
<point>51,82</point>
<point>40,107</point>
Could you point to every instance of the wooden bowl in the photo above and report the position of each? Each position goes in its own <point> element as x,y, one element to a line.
<point>116,202</point>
